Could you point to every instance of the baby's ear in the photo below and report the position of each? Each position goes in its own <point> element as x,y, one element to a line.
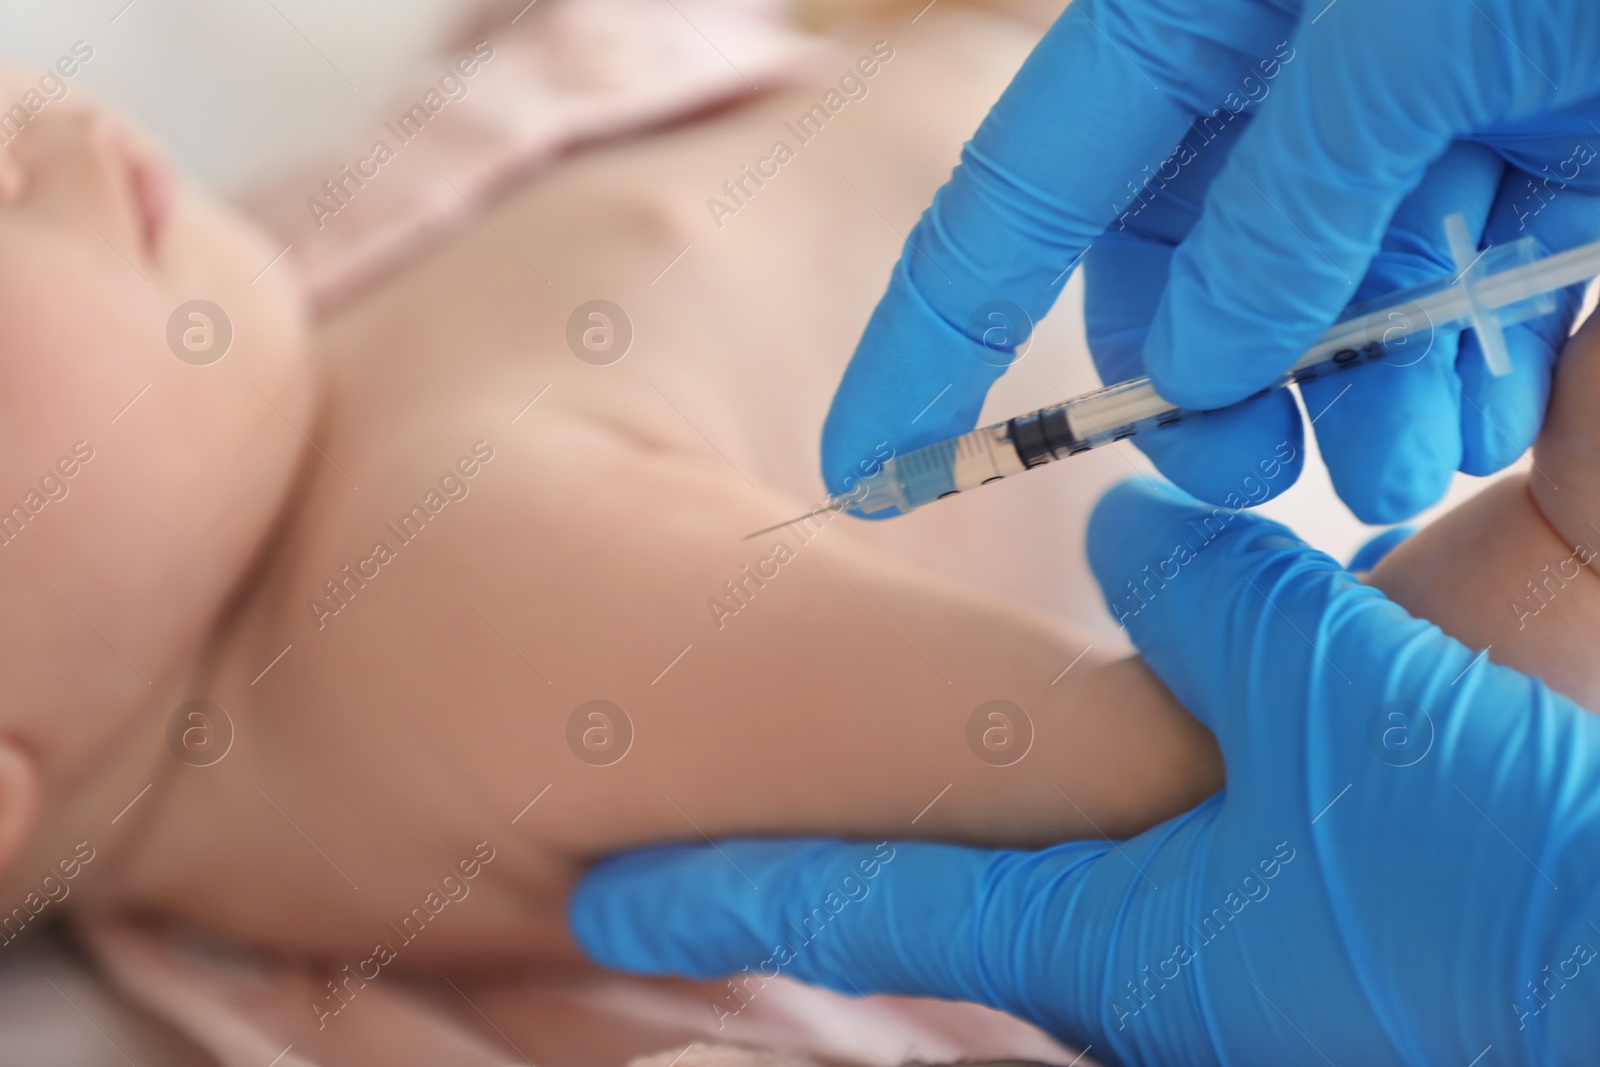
<point>19,798</point>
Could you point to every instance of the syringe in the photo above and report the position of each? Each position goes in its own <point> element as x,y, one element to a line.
<point>1491,290</point>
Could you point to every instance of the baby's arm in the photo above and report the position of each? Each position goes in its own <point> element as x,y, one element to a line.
<point>828,688</point>
<point>833,696</point>
<point>1509,570</point>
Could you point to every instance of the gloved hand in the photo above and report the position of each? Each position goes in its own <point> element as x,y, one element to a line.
<point>1377,547</point>
<point>1402,869</point>
<point>1301,128</point>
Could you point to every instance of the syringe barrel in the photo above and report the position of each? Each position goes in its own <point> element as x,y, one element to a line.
<point>1508,282</point>
<point>923,475</point>
<point>987,454</point>
<point>1088,421</point>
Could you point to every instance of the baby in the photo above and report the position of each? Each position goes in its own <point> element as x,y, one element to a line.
<point>320,630</point>
<point>1509,570</point>
<point>336,624</point>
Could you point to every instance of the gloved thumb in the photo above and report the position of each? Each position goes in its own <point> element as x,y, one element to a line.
<point>1371,554</point>
<point>902,917</point>
<point>1218,602</point>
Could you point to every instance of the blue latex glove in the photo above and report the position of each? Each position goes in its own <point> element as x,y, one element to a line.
<point>1402,869</point>
<point>1380,545</point>
<point>1317,123</point>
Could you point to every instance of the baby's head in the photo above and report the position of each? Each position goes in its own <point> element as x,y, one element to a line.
<point>139,473</point>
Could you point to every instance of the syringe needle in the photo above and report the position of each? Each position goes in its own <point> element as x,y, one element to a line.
<point>832,506</point>
<point>770,529</point>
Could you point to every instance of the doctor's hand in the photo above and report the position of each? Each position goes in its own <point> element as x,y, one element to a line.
<point>1402,869</point>
<point>1232,174</point>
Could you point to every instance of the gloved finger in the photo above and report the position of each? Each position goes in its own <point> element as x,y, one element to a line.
<point>1126,270</point>
<point>1035,186</point>
<point>1380,545</point>
<point>1500,416</point>
<point>1372,736</point>
<point>914,380</point>
<point>1294,219</point>
<point>1390,431</point>
<point>857,918</point>
<point>1240,456</point>
<point>1026,932</point>
<point>1215,456</point>
<point>1265,640</point>
<point>1189,582</point>
<point>1202,593</point>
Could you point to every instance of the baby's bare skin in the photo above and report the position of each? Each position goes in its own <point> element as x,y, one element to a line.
<point>430,710</point>
<point>425,715</point>
<point>1511,570</point>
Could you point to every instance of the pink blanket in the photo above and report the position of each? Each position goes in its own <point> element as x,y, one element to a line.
<point>502,100</point>
<point>248,1012</point>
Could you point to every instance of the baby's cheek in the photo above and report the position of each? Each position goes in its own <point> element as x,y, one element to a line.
<point>76,343</point>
